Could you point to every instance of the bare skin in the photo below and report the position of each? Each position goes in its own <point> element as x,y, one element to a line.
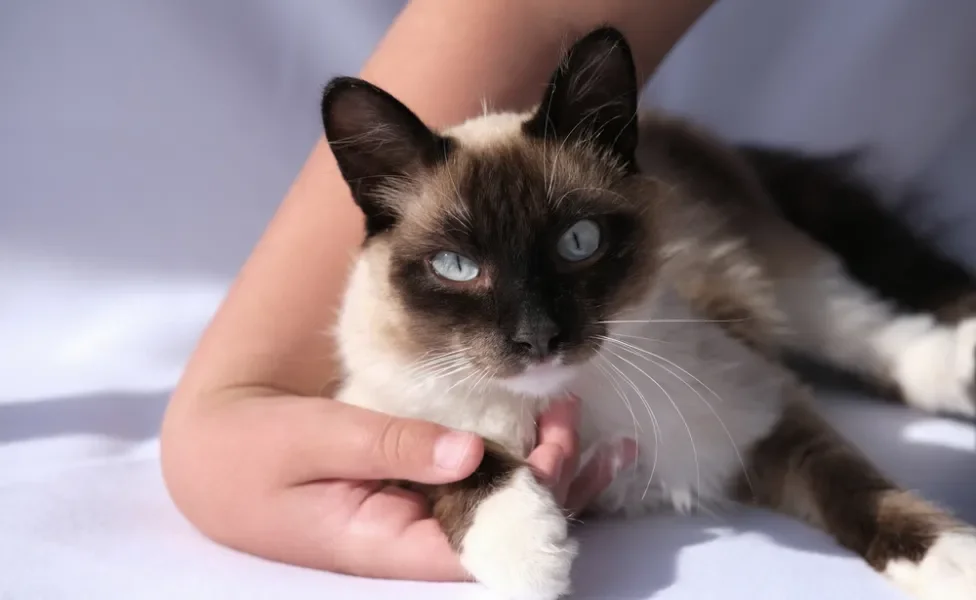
<point>254,452</point>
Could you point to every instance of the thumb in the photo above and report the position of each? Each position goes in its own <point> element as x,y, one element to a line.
<point>364,444</point>
<point>425,452</point>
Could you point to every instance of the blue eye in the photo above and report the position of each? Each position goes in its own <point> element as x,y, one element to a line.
<point>580,241</point>
<point>454,267</point>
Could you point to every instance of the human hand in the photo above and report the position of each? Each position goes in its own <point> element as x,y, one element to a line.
<point>300,480</point>
<point>388,532</point>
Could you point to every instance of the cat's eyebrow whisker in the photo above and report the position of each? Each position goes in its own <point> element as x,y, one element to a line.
<point>677,409</point>
<point>590,188</point>
<point>560,199</point>
<point>721,422</point>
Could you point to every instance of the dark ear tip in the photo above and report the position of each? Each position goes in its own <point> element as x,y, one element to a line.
<point>352,89</point>
<point>606,34</point>
<point>339,85</point>
<point>605,37</point>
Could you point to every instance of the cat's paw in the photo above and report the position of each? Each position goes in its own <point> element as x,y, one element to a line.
<point>966,364</point>
<point>518,544</point>
<point>947,572</point>
<point>937,372</point>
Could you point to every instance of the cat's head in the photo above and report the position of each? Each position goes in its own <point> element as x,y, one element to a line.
<point>510,240</point>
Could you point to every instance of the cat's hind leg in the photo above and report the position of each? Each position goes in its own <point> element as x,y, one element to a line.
<point>865,291</point>
<point>929,362</point>
<point>805,469</point>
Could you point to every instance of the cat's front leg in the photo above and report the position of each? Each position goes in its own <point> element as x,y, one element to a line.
<point>805,469</point>
<point>510,532</point>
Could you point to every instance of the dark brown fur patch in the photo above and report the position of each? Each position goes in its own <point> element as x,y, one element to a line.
<point>805,469</point>
<point>714,203</point>
<point>454,504</point>
<point>960,307</point>
<point>824,197</point>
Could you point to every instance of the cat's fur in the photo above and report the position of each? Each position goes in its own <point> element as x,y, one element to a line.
<point>713,264</point>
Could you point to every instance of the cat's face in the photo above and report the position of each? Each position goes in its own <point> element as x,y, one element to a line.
<point>510,241</point>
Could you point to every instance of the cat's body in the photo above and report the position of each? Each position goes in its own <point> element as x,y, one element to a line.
<point>707,362</point>
<point>517,256</point>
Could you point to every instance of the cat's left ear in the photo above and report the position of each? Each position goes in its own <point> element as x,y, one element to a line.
<point>593,96</point>
<point>377,142</point>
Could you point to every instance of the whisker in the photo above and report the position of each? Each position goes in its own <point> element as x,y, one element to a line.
<point>641,337</point>
<point>460,381</point>
<point>651,321</point>
<point>721,422</point>
<point>430,375</point>
<point>474,386</point>
<point>655,425</point>
<point>670,362</point>
<point>425,362</point>
<point>681,416</point>
<point>620,394</point>
<point>442,367</point>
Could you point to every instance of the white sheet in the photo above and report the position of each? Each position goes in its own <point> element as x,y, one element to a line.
<point>143,145</point>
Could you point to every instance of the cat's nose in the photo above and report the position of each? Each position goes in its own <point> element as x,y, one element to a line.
<point>538,340</point>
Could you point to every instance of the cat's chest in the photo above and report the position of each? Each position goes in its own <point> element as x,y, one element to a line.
<point>694,398</point>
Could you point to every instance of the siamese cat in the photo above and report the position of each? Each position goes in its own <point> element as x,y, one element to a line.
<point>662,276</point>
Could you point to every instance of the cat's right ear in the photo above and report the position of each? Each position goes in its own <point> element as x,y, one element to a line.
<point>377,143</point>
<point>592,96</point>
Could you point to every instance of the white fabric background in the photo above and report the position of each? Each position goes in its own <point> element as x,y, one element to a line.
<point>144,145</point>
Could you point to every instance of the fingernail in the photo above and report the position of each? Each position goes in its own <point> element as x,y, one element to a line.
<point>451,449</point>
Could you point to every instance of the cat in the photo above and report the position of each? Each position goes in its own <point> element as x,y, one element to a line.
<point>665,278</point>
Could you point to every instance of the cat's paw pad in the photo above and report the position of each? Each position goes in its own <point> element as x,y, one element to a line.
<point>518,544</point>
<point>947,572</point>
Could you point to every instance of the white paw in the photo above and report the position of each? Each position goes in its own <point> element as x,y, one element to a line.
<point>966,364</point>
<point>518,544</point>
<point>948,571</point>
<point>937,370</point>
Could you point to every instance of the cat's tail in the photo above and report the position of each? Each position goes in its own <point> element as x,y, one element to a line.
<point>825,197</point>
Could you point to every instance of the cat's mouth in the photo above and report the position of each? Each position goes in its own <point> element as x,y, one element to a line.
<point>541,379</point>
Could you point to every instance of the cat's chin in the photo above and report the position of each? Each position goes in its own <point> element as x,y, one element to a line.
<point>542,380</point>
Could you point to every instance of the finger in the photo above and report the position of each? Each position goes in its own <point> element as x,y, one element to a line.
<point>547,462</point>
<point>345,527</point>
<point>599,473</point>
<point>308,439</point>
<point>557,429</point>
<point>393,536</point>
